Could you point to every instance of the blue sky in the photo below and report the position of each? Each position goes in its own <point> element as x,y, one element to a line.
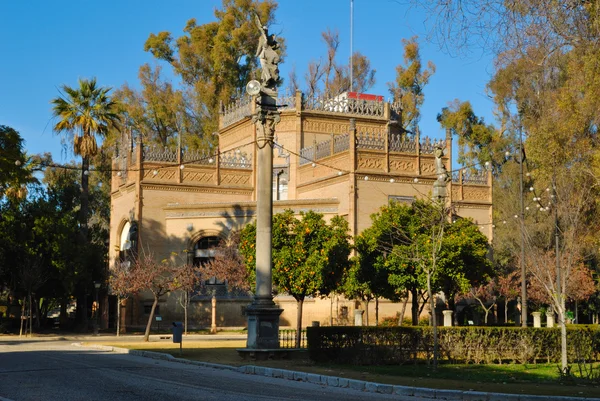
<point>49,43</point>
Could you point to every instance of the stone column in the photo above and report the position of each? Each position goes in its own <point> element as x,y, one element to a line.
<point>358,317</point>
<point>549,318</point>
<point>537,319</point>
<point>447,318</point>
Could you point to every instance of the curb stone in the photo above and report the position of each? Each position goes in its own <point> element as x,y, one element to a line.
<point>332,381</point>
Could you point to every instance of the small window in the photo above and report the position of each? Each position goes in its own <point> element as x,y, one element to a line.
<point>148,309</point>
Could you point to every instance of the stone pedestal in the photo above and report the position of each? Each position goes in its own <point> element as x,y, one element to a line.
<point>447,318</point>
<point>358,317</point>
<point>549,319</point>
<point>263,327</point>
<point>537,319</point>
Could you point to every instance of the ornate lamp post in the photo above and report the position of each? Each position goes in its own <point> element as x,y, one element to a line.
<point>263,314</point>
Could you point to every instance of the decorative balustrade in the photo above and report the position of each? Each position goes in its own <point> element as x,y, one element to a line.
<point>235,159</point>
<point>470,176</point>
<point>197,157</point>
<point>402,143</point>
<point>286,102</point>
<point>358,107</point>
<point>456,177</point>
<point>428,146</point>
<point>474,177</point>
<point>323,149</point>
<point>341,143</point>
<point>307,155</point>
<point>395,111</point>
<point>370,140</point>
<point>159,154</point>
<point>237,110</point>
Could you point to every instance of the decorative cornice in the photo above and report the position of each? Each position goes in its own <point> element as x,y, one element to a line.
<point>248,208</point>
<point>472,205</point>
<point>204,189</point>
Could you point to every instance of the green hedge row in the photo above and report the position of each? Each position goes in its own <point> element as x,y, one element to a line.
<point>398,345</point>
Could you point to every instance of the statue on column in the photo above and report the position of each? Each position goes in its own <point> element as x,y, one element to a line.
<point>443,177</point>
<point>269,59</point>
<point>267,115</point>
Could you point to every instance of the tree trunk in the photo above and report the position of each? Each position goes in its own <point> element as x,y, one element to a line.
<point>563,338</point>
<point>149,324</point>
<point>401,317</point>
<point>433,321</point>
<point>415,307</point>
<point>331,311</point>
<point>81,312</point>
<point>299,322</point>
<point>367,312</point>
<point>505,310</point>
<point>118,316</point>
<point>63,317</point>
<point>30,314</point>
<point>186,302</point>
<point>22,316</point>
<point>376,311</point>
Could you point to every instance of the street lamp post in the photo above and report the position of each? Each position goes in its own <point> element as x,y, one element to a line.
<point>522,229</point>
<point>522,221</point>
<point>97,310</point>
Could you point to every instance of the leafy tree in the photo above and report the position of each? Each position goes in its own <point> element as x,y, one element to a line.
<point>13,172</point>
<point>160,112</point>
<point>214,60</point>
<point>407,91</point>
<point>84,113</point>
<point>478,142</point>
<point>404,240</point>
<point>309,255</point>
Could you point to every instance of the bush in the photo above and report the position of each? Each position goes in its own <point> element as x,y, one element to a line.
<point>398,345</point>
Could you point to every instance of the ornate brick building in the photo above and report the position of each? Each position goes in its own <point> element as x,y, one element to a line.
<point>343,156</point>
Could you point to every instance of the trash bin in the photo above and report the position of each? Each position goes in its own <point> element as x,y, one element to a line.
<point>177,332</point>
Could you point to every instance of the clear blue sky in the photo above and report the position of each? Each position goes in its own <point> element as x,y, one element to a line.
<point>49,43</point>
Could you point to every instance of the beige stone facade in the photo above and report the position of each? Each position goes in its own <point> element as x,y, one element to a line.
<point>334,157</point>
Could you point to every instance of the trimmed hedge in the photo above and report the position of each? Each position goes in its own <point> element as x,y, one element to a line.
<point>398,345</point>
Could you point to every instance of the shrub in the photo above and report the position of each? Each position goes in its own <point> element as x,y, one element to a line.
<point>399,344</point>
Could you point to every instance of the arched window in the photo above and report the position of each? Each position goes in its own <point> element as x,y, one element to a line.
<point>124,241</point>
<point>204,251</point>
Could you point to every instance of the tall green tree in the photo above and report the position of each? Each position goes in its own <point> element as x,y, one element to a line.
<point>215,60</point>
<point>401,241</point>
<point>14,174</point>
<point>309,255</point>
<point>84,113</point>
<point>407,90</point>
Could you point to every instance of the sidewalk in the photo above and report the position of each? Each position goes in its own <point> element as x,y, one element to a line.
<point>123,338</point>
<point>323,380</point>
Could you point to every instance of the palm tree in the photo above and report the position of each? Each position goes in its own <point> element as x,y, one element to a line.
<point>84,113</point>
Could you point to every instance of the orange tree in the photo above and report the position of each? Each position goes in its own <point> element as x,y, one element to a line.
<point>309,255</point>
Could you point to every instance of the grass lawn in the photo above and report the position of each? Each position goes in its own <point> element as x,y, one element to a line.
<point>541,379</point>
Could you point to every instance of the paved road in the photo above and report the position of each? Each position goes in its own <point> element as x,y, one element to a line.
<point>56,370</point>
